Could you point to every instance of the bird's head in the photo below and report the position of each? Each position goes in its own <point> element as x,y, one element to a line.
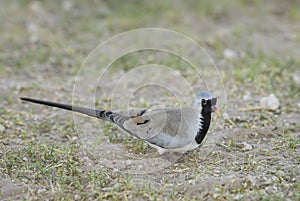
<point>206,102</point>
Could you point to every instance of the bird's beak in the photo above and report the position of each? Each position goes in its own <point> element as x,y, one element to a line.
<point>216,110</point>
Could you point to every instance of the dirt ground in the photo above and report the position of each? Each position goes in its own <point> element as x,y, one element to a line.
<point>68,51</point>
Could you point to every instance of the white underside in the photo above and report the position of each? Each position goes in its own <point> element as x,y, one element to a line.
<point>183,149</point>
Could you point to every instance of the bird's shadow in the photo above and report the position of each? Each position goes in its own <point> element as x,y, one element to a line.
<point>175,157</point>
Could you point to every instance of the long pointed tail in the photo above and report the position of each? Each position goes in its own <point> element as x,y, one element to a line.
<point>101,114</point>
<point>82,110</point>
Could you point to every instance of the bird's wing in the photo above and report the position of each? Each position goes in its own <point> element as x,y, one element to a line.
<point>163,127</point>
<point>131,112</point>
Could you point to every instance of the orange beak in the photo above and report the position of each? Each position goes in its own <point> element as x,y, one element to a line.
<point>216,110</point>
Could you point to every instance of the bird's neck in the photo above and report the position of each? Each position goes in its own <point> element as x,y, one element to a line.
<point>204,123</point>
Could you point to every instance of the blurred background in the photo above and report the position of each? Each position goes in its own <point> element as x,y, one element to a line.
<point>40,39</point>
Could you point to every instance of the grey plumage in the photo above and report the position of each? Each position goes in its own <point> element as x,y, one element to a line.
<point>168,129</point>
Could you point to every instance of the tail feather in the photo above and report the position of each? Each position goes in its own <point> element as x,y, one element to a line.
<point>101,114</point>
<point>82,110</point>
<point>106,115</point>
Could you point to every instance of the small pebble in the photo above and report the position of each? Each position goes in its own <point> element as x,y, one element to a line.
<point>41,190</point>
<point>117,186</point>
<point>296,78</point>
<point>247,147</point>
<point>229,54</point>
<point>238,197</point>
<point>270,102</point>
<point>260,168</point>
<point>77,197</point>
<point>280,173</point>
<point>74,138</point>
<point>271,190</point>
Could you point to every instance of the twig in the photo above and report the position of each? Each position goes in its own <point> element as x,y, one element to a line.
<point>254,109</point>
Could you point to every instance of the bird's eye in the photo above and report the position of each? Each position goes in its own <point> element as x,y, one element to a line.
<point>203,101</point>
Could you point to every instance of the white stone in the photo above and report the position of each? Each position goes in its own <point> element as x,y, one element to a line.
<point>229,54</point>
<point>238,197</point>
<point>247,147</point>
<point>271,190</point>
<point>77,197</point>
<point>296,78</point>
<point>270,102</point>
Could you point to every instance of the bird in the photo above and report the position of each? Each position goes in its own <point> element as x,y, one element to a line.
<point>176,130</point>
